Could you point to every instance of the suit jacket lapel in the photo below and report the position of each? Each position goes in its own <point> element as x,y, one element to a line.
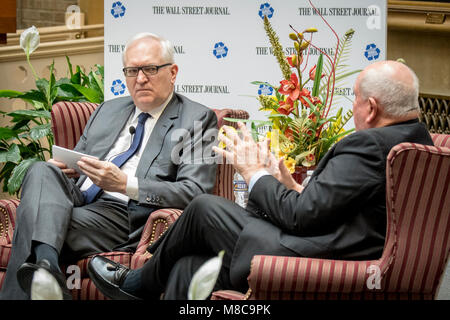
<point>155,142</point>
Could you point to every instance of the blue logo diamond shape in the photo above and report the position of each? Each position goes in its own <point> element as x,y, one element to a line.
<point>118,9</point>
<point>265,90</point>
<point>220,50</point>
<point>265,10</point>
<point>372,52</point>
<point>117,87</point>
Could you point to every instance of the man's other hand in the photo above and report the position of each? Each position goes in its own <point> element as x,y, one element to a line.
<point>104,174</point>
<point>70,173</point>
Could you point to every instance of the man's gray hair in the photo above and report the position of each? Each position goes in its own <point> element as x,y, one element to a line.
<point>396,97</point>
<point>168,52</point>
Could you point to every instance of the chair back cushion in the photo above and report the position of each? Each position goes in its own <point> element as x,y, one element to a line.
<point>69,120</point>
<point>418,202</point>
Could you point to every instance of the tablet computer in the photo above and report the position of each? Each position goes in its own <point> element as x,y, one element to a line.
<point>69,157</point>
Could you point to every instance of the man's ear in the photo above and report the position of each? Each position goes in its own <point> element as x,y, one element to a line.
<point>374,110</point>
<point>174,71</point>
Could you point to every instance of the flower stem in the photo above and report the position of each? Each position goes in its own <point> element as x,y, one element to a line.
<point>31,66</point>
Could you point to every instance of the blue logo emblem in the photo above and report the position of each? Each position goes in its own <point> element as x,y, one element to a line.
<point>265,10</point>
<point>372,52</point>
<point>220,50</point>
<point>117,87</point>
<point>118,9</point>
<point>265,90</point>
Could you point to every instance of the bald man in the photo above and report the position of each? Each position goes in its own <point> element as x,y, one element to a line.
<point>340,214</point>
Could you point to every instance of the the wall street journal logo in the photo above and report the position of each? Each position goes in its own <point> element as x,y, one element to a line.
<point>118,9</point>
<point>265,90</point>
<point>117,87</point>
<point>372,52</point>
<point>220,50</point>
<point>265,10</point>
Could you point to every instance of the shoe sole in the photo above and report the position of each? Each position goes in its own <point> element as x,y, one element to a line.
<point>25,277</point>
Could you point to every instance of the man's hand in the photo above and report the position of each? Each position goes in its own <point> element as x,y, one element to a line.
<point>104,174</point>
<point>70,173</point>
<point>244,153</point>
<point>248,157</point>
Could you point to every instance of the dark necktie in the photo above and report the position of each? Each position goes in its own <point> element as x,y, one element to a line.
<point>93,191</point>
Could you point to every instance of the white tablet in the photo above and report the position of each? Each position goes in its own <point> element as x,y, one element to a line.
<point>69,157</point>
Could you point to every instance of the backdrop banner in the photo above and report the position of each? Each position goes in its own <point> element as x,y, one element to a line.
<point>221,46</point>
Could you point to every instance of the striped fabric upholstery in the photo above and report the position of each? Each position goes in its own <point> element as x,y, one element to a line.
<point>68,121</point>
<point>7,223</point>
<point>416,249</point>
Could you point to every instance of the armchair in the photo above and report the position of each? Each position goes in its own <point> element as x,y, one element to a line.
<point>68,121</point>
<point>416,248</point>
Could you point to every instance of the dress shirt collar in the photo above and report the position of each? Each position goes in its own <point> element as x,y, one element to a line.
<point>155,113</point>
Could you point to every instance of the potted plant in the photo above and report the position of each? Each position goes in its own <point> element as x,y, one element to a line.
<point>29,138</point>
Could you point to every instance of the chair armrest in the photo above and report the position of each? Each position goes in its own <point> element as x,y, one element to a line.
<point>271,277</point>
<point>157,223</point>
<point>7,220</point>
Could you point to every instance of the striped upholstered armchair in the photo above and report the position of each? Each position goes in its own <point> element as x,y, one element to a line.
<point>416,248</point>
<point>68,121</point>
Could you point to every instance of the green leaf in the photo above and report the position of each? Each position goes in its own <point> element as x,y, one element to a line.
<point>90,94</point>
<point>12,155</point>
<point>34,95</point>
<point>258,83</point>
<point>42,85</point>
<point>29,114</point>
<point>7,133</point>
<point>100,71</point>
<point>10,94</point>
<point>70,66</point>
<point>98,82</point>
<point>318,76</point>
<point>17,175</point>
<point>5,174</point>
<point>40,131</point>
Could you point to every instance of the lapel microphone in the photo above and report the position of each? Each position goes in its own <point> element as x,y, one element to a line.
<point>132,131</point>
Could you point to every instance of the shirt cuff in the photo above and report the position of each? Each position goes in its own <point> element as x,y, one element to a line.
<point>133,188</point>
<point>255,178</point>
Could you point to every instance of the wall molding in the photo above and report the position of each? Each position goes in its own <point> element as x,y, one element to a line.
<point>54,49</point>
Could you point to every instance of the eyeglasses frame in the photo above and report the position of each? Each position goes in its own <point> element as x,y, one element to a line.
<point>141,69</point>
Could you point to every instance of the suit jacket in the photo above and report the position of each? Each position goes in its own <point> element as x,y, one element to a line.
<point>341,214</point>
<point>181,128</point>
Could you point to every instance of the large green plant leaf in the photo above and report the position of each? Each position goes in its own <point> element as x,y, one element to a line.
<point>33,95</point>
<point>7,133</point>
<point>40,131</point>
<point>10,94</point>
<point>5,174</point>
<point>19,115</point>
<point>90,94</point>
<point>11,155</point>
<point>17,175</point>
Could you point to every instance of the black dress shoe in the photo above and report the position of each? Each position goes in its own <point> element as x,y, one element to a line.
<point>25,277</point>
<point>108,276</point>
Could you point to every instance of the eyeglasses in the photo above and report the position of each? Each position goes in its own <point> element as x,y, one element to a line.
<point>147,70</point>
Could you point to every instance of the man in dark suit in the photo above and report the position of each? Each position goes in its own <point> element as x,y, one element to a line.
<point>340,214</point>
<point>63,216</point>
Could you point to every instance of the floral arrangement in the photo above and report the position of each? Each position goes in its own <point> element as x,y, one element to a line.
<point>303,128</point>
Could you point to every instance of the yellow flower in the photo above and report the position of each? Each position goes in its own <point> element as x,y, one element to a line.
<point>290,164</point>
<point>222,131</point>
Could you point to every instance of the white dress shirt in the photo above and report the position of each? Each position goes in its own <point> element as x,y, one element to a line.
<point>123,143</point>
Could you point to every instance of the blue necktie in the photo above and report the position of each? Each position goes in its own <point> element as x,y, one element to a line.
<point>93,191</point>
